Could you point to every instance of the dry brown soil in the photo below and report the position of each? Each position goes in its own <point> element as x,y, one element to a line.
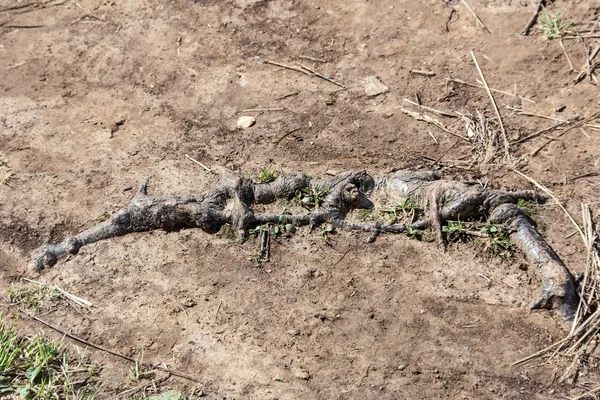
<point>97,94</point>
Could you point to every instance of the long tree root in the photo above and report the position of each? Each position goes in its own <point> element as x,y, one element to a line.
<point>232,200</point>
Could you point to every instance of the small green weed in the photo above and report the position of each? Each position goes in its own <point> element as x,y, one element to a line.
<point>137,371</point>
<point>6,177</point>
<point>324,231</point>
<point>526,206</point>
<point>103,217</point>
<point>283,226</point>
<point>365,214</point>
<point>408,210</point>
<point>454,231</point>
<point>497,242</point>
<point>553,26</point>
<point>266,174</point>
<point>255,256</point>
<point>37,368</point>
<point>311,197</point>
<point>32,296</point>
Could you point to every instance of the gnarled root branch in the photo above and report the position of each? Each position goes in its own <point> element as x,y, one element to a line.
<point>558,286</point>
<point>231,203</point>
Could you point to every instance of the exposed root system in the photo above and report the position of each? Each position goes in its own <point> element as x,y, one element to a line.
<point>231,203</point>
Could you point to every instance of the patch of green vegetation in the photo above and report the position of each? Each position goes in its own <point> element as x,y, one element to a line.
<point>104,216</point>
<point>283,226</point>
<point>38,368</point>
<point>492,238</point>
<point>406,211</point>
<point>138,371</point>
<point>32,296</point>
<point>227,232</point>
<point>553,26</point>
<point>427,235</point>
<point>365,214</point>
<point>526,206</point>
<point>325,230</point>
<point>497,242</point>
<point>255,256</point>
<point>454,231</point>
<point>310,198</point>
<point>267,174</point>
<point>6,177</point>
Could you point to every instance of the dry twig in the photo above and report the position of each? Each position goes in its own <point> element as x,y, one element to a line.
<point>496,110</point>
<point>288,67</point>
<point>477,19</point>
<point>577,125</point>
<point>562,46</point>
<point>199,163</point>
<point>424,117</point>
<point>114,353</point>
<point>492,89</point>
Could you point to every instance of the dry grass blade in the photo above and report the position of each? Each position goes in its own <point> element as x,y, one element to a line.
<point>460,81</point>
<point>476,16</point>
<point>569,129</point>
<point>576,348</point>
<point>484,136</point>
<point>551,195</point>
<point>72,297</point>
<point>433,110</point>
<point>546,130</point>
<point>496,110</point>
<point>587,394</point>
<point>424,117</point>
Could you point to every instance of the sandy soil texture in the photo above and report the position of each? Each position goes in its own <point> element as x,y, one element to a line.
<point>97,94</point>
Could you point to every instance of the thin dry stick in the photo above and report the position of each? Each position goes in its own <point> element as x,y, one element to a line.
<point>586,394</point>
<point>285,135</point>
<point>313,59</point>
<point>539,353</point>
<point>218,309</point>
<point>315,73</point>
<point>424,117</point>
<point>446,152</point>
<point>531,22</point>
<point>489,92</point>
<point>75,299</point>
<point>476,16</point>
<point>286,95</point>
<point>445,114</point>
<point>549,193</point>
<point>543,131</point>
<point>422,72</point>
<point>136,389</point>
<point>589,243</point>
<point>493,90</point>
<point>263,109</point>
<point>288,67</point>
<point>114,353</point>
<point>562,46</point>
<point>433,137</point>
<point>530,114</point>
<point>577,125</point>
<point>578,37</point>
<point>199,163</point>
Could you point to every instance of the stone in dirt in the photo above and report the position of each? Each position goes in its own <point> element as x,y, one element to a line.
<point>374,87</point>
<point>245,121</point>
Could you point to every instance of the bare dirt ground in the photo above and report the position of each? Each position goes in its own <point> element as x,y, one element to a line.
<point>95,95</point>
